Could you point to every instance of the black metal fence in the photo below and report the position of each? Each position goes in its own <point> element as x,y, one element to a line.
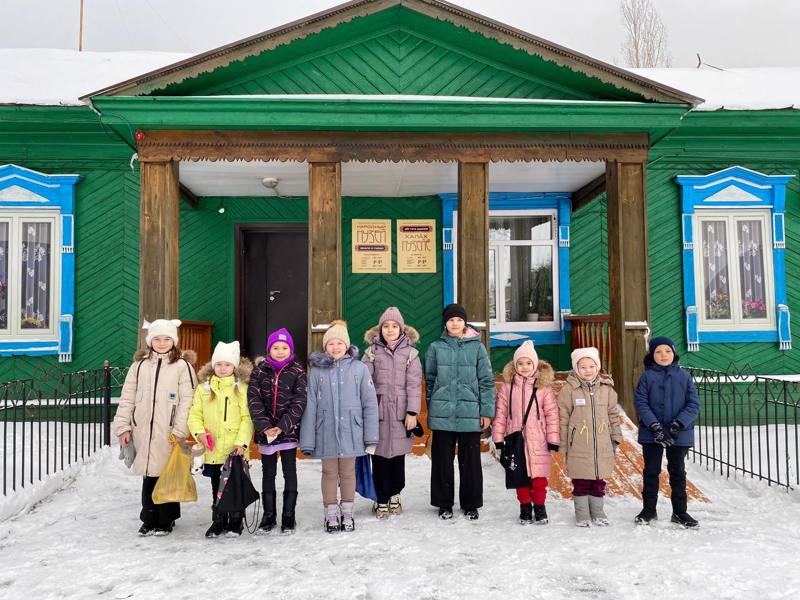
<point>55,419</point>
<point>748,425</point>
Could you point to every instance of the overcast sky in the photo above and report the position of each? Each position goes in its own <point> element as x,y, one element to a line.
<point>727,33</point>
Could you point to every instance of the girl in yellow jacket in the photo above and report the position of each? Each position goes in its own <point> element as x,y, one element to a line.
<point>220,421</point>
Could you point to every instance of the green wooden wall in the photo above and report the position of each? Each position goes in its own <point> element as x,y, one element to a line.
<point>588,259</point>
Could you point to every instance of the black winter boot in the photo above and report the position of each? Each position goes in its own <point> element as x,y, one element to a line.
<point>540,514</point>
<point>685,520</point>
<point>646,516</point>
<point>234,526</point>
<point>269,520</point>
<point>287,512</point>
<point>217,523</point>
<point>525,514</point>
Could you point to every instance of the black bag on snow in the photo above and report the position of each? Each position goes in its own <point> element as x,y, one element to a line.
<point>512,456</point>
<point>236,491</point>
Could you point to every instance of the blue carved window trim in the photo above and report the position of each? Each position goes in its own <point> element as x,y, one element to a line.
<point>562,204</point>
<point>734,189</point>
<point>28,191</point>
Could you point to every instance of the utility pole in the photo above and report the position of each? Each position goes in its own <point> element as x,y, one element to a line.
<point>80,35</point>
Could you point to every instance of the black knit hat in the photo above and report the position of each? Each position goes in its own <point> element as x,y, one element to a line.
<point>649,360</point>
<point>454,310</point>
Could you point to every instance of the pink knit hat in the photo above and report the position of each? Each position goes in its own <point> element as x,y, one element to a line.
<point>580,353</point>
<point>392,314</point>
<point>526,350</point>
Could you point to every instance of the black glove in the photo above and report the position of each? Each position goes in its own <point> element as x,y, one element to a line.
<point>675,428</point>
<point>660,435</point>
<point>499,445</point>
<point>552,447</point>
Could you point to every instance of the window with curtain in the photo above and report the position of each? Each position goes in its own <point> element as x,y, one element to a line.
<point>522,282</point>
<point>733,266</point>
<point>27,275</point>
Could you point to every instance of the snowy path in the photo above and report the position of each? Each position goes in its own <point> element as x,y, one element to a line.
<point>82,543</point>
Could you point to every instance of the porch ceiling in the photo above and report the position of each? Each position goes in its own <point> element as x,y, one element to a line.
<point>384,179</point>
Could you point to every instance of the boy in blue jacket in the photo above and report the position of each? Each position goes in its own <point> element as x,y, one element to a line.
<point>667,403</point>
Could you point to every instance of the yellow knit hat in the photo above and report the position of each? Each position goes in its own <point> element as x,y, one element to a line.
<point>337,331</point>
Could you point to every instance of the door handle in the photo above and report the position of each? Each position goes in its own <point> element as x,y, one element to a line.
<point>273,294</point>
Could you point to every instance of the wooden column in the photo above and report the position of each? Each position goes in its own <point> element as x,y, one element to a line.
<point>628,276</point>
<point>324,248</point>
<point>159,223</point>
<point>473,242</point>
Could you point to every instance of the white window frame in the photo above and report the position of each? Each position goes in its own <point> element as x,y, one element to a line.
<point>14,284</point>
<point>731,218</point>
<point>499,324</point>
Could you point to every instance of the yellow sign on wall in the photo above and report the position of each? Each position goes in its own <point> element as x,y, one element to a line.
<point>372,245</point>
<point>416,246</point>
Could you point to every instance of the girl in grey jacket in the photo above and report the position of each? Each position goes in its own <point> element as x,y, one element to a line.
<point>340,421</point>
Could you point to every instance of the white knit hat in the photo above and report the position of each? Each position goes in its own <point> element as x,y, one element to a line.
<point>526,350</point>
<point>337,331</point>
<point>168,327</point>
<point>226,353</point>
<point>580,353</point>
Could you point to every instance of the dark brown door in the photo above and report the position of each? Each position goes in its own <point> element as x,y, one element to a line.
<point>273,286</point>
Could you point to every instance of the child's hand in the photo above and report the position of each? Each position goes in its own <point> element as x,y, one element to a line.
<point>273,432</point>
<point>485,422</point>
<point>125,439</point>
<point>411,422</point>
<point>203,439</point>
<point>175,440</point>
<point>238,451</point>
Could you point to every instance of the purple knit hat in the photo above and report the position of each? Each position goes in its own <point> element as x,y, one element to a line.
<point>282,335</point>
<point>392,314</point>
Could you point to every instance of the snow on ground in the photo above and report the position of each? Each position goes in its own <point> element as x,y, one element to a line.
<point>82,543</point>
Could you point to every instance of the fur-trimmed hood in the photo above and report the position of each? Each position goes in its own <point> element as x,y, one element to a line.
<point>372,337</point>
<point>545,375</point>
<point>242,372</point>
<point>189,356</point>
<point>325,361</point>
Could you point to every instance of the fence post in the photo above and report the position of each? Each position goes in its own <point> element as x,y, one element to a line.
<point>106,403</point>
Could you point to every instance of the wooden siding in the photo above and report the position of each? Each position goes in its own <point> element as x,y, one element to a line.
<point>398,51</point>
<point>588,259</point>
<point>419,296</point>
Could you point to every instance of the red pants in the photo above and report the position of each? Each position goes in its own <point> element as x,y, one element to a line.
<point>536,493</point>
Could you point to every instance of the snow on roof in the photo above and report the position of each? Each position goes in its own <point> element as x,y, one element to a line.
<point>47,76</point>
<point>761,88</point>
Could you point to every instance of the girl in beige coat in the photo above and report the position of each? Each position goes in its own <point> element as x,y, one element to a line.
<point>152,413</point>
<point>590,433</point>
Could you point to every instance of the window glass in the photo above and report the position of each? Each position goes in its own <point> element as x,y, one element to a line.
<point>4,275</point>
<point>35,276</point>
<point>531,227</point>
<point>751,269</point>
<point>528,283</point>
<point>715,270</point>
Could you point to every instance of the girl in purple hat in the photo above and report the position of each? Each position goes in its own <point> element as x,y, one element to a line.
<point>394,365</point>
<point>277,399</point>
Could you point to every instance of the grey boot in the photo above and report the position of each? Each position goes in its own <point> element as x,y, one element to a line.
<point>596,509</point>
<point>582,514</point>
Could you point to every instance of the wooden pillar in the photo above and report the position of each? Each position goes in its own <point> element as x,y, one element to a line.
<point>324,249</point>
<point>628,276</point>
<point>473,243</point>
<point>159,223</point>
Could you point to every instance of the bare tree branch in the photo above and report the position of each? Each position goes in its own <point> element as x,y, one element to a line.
<point>645,35</point>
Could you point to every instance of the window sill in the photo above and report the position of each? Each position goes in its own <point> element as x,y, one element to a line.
<point>29,347</point>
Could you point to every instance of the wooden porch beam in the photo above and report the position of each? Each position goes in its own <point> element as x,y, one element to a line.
<point>343,146</point>
<point>159,227</point>
<point>588,192</point>
<point>473,242</point>
<point>628,275</point>
<point>324,249</point>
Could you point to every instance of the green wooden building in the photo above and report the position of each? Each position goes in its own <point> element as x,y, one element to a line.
<point>545,185</point>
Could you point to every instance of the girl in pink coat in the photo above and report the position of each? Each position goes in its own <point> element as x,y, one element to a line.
<point>524,375</point>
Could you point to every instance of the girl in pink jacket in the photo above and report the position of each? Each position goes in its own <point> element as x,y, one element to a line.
<point>523,376</point>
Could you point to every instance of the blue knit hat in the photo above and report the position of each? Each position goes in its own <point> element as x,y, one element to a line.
<point>649,361</point>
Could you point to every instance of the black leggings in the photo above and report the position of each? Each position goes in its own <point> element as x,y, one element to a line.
<point>269,467</point>
<point>157,515</point>
<point>389,475</point>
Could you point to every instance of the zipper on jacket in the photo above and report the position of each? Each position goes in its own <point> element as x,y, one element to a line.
<point>594,433</point>
<point>275,392</point>
<point>225,416</point>
<point>152,415</point>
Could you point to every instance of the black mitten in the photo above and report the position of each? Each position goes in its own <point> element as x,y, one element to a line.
<point>675,428</point>
<point>660,435</point>
<point>552,447</point>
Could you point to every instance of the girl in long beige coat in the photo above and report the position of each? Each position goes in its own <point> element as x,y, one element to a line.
<point>590,433</point>
<point>152,413</point>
